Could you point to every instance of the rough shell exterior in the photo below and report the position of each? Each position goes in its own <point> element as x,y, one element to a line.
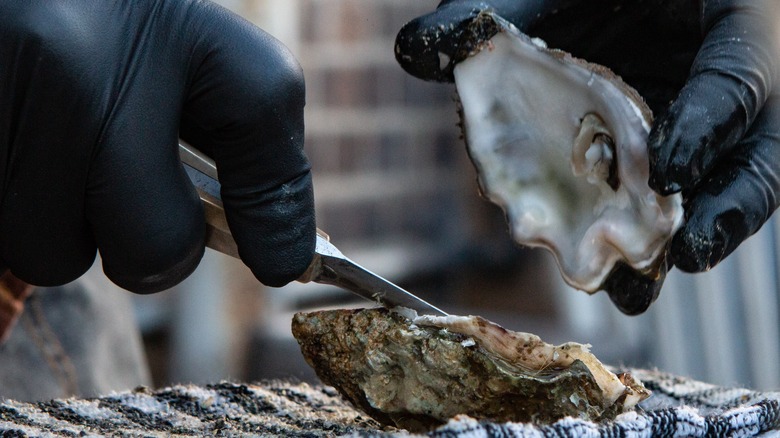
<point>418,374</point>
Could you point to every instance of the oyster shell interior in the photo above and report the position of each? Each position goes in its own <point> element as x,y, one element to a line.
<point>417,372</point>
<point>560,145</point>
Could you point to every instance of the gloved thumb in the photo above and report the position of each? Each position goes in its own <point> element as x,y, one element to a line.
<point>429,46</point>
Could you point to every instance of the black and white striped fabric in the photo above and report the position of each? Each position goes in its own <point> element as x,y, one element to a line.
<point>678,407</point>
<point>224,409</point>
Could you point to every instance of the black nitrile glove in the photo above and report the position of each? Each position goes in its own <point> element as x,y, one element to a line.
<point>719,141</point>
<point>708,69</point>
<point>428,47</point>
<point>93,97</point>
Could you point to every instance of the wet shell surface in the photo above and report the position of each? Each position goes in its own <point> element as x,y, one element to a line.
<point>560,145</point>
<point>417,372</point>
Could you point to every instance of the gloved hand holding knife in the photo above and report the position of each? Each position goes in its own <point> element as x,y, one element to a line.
<point>93,98</point>
<point>709,71</point>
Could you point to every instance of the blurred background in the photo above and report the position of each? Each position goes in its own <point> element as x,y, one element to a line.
<point>396,192</point>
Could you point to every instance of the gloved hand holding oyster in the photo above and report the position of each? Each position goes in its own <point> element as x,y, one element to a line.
<point>560,144</point>
<point>718,66</point>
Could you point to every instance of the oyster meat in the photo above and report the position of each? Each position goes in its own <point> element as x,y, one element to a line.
<point>560,145</point>
<point>416,372</point>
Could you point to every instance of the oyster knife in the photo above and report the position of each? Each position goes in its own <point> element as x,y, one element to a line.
<point>329,265</point>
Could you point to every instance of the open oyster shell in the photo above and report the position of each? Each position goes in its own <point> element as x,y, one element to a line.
<point>417,372</point>
<point>560,145</point>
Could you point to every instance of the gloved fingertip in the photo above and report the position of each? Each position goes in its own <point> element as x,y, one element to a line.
<point>630,291</point>
<point>697,251</point>
<point>656,142</point>
<point>153,280</point>
<point>416,52</point>
<point>667,174</point>
<point>296,258</point>
<point>275,230</point>
<point>430,46</point>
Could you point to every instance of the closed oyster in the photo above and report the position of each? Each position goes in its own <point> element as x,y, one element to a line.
<point>417,372</point>
<point>560,145</point>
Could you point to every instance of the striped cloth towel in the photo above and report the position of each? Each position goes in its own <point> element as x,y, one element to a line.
<point>678,407</point>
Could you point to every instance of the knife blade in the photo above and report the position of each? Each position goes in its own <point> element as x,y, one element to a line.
<point>329,265</point>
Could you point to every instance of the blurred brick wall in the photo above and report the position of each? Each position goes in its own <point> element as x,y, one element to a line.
<point>384,145</point>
